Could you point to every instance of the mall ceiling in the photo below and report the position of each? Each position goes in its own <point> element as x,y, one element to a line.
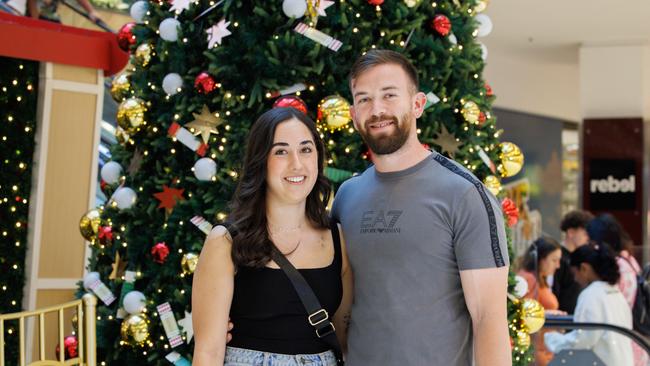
<point>560,25</point>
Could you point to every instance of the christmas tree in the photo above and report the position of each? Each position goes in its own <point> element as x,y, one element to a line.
<point>18,96</point>
<point>200,74</point>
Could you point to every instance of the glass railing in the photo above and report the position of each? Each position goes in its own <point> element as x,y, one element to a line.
<point>579,357</point>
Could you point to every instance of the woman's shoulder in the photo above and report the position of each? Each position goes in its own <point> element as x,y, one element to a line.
<point>528,276</point>
<point>219,238</point>
<point>219,233</point>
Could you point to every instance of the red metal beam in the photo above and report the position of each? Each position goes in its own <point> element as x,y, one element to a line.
<point>39,40</point>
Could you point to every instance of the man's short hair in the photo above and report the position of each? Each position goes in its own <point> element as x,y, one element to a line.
<point>374,58</point>
<point>576,219</point>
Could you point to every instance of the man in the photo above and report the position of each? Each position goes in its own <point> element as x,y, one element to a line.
<point>426,239</point>
<point>565,287</point>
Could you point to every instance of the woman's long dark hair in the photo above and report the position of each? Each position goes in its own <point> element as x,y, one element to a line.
<point>252,245</point>
<point>543,246</point>
<point>601,258</point>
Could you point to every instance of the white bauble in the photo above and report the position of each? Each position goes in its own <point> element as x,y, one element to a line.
<point>484,51</point>
<point>172,83</point>
<point>453,39</point>
<point>124,197</point>
<point>89,279</point>
<point>169,29</point>
<point>138,10</point>
<point>521,288</point>
<point>111,172</point>
<point>134,302</point>
<point>294,8</point>
<point>484,25</point>
<point>205,169</point>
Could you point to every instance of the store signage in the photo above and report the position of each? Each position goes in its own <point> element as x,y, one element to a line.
<point>612,184</point>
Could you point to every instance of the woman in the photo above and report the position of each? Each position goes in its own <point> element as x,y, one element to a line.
<point>279,204</point>
<point>540,262</point>
<point>605,229</point>
<point>600,302</point>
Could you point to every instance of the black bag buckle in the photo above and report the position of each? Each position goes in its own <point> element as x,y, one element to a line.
<point>318,317</point>
<point>326,330</point>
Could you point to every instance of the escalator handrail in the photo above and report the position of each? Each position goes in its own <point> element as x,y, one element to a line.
<point>566,322</point>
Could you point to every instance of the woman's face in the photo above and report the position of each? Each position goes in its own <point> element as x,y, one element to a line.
<point>292,163</point>
<point>584,274</point>
<point>549,264</point>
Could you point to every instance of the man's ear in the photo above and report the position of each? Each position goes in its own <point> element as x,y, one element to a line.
<point>419,103</point>
<point>353,116</point>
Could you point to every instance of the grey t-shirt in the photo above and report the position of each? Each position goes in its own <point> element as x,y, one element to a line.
<point>408,235</point>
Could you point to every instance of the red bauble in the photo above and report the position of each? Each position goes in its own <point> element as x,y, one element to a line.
<point>291,101</point>
<point>105,234</point>
<point>375,2</point>
<point>481,118</point>
<point>441,24</point>
<point>511,211</point>
<point>71,346</point>
<point>125,37</point>
<point>204,83</point>
<point>488,90</point>
<point>160,252</point>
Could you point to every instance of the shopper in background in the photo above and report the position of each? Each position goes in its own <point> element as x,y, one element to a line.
<point>600,302</point>
<point>48,10</point>
<point>605,229</point>
<point>564,286</point>
<point>539,263</point>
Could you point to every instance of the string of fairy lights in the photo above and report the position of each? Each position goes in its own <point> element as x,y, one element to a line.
<point>18,95</point>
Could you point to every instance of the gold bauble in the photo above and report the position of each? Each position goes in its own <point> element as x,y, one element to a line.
<point>523,340</point>
<point>89,224</point>
<point>188,263</point>
<point>143,54</point>
<point>481,5</point>
<point>75,322</point>
<point>121,87</point>
<point>121,136</point>
<point>512,159</point>
<point>493,184</point>
<point>334,112</point>
<point>533,315</point>
<point>135,330</point>
<point>130,114</point>
<point>471,112</point>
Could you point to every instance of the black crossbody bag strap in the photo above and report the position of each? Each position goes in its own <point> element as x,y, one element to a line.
<point>318,316</point>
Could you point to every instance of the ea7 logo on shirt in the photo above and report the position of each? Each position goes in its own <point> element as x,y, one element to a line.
<point>380,222</point>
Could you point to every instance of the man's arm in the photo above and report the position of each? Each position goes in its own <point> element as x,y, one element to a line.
<point>341,319</point>
<point>485,293</point>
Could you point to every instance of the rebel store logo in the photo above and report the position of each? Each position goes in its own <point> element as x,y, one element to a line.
<point>612,184</point>
<point>380,222</point>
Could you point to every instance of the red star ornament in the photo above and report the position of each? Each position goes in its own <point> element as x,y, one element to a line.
<point>169,197</point>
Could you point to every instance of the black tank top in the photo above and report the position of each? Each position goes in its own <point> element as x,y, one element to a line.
<point>267,312</point>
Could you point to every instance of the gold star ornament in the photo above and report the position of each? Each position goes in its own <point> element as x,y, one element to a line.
<point>118,267</point>
<point>447,142</point>
<point>204,124</point>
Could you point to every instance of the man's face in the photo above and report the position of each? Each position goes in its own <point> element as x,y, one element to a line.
<point>577,237</point>
<point>385,108</point>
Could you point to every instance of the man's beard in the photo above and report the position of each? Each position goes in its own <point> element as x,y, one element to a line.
<point>385,144</point>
